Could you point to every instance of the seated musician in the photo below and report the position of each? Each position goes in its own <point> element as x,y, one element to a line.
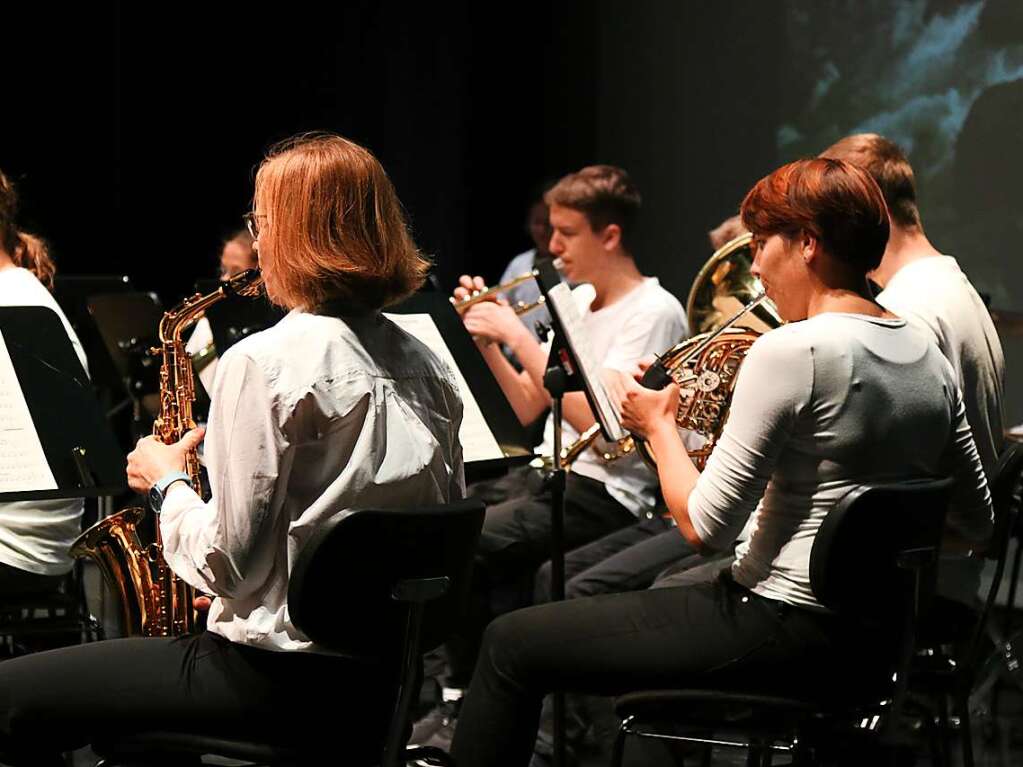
<point>237,254</point>
<point>34,535</point>
<point>332,408</point>
<point>845,394</point>
<point>626,316</point>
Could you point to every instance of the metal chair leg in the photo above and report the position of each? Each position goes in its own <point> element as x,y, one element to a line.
<point>965,727</point>
<point>618,751</point>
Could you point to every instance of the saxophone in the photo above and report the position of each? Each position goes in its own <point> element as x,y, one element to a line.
<point>154,600</point>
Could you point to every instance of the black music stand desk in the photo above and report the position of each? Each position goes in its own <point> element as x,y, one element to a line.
<point>76,440</point>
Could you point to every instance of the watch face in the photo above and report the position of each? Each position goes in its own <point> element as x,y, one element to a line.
<point>155,498</point>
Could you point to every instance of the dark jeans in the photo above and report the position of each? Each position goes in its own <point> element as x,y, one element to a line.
<point>712,634</point>
<point>515,541</point>
<point>625,560</point>
<point>64,699</point>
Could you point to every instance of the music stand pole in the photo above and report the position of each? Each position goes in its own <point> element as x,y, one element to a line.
<point>555,381</point>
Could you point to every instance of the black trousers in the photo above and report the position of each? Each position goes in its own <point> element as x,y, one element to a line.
<point>64,699</point>
<point>21,583</point>
<point>515,541</point>
<point>712,634</point>
<point>625,560</point>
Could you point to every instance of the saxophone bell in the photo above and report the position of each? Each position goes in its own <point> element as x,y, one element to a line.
<point>155,601</point>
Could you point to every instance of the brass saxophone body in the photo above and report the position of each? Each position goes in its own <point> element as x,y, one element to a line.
<point>156,602</point>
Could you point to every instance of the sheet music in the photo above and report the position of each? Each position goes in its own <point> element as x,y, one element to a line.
<point>23,465</point>
<point>478,441</point>
<point>561,301</point>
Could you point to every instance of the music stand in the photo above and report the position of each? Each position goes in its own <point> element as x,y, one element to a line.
<point>511,438</point>
<point>72,292</point>
<point>570,367</point>
<point>236,317</point>
<point>77,443</point>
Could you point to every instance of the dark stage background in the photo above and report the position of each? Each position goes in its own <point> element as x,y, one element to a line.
<point>134,132</point>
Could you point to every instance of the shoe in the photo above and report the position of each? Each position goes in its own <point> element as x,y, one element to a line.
<point>437,728</point>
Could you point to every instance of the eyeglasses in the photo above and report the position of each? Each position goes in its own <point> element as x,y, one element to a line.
<point>252,223</point>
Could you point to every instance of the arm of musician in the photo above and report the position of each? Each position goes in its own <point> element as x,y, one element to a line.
<point>574,406</point>
<point>214,545</point>
<point>527,400</point>
<point>491,324</point>
<point>651,413</point>
<point>775,384</point>
<point>970,520</point>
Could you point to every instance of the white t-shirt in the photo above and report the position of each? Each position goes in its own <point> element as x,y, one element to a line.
<point>35,535</point>
<point>820,407</point>
<point>647,320</point>
<point>933,294</point>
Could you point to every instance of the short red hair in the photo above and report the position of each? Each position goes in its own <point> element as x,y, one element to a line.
<point>836,202</point>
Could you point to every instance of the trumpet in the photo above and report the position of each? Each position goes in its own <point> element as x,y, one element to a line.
<point>491,294</point>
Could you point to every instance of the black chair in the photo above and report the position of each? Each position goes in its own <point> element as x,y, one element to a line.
<point>873,559</point>
<point>947,669</point>
<point>52,619</point>
<point>405,573</point>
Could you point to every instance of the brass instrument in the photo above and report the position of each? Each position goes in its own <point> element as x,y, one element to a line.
<point>724,285</point>
<point>154,600</point>
<point>704,366</point>
<point>491,294</point>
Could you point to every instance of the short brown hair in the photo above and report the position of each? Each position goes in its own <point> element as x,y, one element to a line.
<point>604,194</point>
<point>838,203</point>
<point>334,228</point>
<point>888,166</point>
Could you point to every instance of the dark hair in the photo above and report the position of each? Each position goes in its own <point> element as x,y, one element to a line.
<point>838,203</point>
<point>26,250</point>
<point>604,194</point>
<point>888,166</point>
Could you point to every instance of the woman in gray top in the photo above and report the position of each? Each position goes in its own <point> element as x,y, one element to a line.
<point>846,394</point>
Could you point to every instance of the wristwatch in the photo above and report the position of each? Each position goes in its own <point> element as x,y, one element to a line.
<point>159,490</point>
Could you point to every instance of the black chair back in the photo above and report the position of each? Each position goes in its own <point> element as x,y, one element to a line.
<point>341,589</point>
<point>1006,491</point>
<point>1005,496</point>
<point>858,559</point>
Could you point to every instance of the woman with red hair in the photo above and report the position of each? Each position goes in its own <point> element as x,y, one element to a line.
<point>845,394</point>
<point>332,409</point>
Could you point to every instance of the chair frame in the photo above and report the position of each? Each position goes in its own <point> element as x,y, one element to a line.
<point>413,594</point>
<point>804,718</point>
<point>957,676</point>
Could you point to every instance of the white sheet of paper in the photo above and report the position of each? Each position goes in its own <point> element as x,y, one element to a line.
<point>23,465</point>
<point>562,302</point>
<point>478,441</point>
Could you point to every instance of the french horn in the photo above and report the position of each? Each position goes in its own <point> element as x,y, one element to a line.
<point>705,366</point>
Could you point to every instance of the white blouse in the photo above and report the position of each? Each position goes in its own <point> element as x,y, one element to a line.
<point>312,417</point>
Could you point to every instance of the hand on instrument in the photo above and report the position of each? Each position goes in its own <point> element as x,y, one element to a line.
<point>467,286</point>
<point>614,383</point>
<point>151,459</point>
<point>642,365</point>
<point>493,321</point>
<point>646,411</point>
<point>201,603</point>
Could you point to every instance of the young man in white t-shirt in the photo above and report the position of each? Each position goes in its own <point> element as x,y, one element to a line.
<point>929,290</point>
<point>626,316</point>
